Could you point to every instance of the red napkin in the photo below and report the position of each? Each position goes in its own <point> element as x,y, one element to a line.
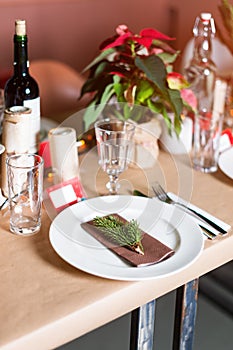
<point>154,250</point>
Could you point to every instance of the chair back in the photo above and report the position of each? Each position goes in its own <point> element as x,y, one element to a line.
<point>60,86</point>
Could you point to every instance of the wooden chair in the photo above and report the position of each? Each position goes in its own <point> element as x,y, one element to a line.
<point>60,87</point>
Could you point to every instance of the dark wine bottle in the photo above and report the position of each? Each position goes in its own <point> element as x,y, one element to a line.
<point>22,89</point>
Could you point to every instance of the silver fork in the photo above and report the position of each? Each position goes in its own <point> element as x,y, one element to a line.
<point>164,197</point>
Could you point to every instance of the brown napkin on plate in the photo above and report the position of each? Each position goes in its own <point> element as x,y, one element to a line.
<point>154,250</point>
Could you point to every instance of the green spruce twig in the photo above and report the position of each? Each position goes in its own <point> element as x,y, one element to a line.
<point>122,233</point>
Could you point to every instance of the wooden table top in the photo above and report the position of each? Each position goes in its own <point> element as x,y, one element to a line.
<point>45,302</point>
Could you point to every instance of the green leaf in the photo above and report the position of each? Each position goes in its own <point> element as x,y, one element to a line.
<point>100,57</point>
<point>88,86</point>
<point>177,108</point>
<point>101,68</point>
<point>155,70</point>
<point>108,92</point>
<point>168,58</point>
<point>93,110</point>
<point>134,112</point>
<point>116,79</point>
<point>163,45</point>
<point>144,91</point>
<point>167,119</point>
<point>96,83</point>
<point>119,88</point>
<point>127,111</point>
<point>89,115</point>
<point>156,107</point>
<point>176,101</point>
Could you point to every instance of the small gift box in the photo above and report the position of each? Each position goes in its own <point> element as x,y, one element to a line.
<point>66,194</point>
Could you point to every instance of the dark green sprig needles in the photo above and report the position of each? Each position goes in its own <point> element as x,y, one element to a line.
<point>122,233</point>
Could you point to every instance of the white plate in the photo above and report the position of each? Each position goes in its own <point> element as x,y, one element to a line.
<point>165,222</point>
<point>225,162</point>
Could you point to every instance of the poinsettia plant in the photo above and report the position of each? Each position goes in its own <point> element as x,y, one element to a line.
<point>137,70</point>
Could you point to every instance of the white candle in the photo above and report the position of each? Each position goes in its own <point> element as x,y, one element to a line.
<point>64,154</point>
<point>219,96</point>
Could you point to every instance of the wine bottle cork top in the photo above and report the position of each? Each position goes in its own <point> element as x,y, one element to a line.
<point>20,27</point>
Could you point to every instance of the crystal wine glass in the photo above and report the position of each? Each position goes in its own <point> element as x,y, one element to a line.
<point>114,143</point>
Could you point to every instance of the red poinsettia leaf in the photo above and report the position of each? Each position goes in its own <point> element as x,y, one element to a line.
<point>120,40</point>
<point>107,41</point>
<point>121,75</point>
<point>154,34</point>
<point>143,41</point>
<point>176,75</point>
<point>120,71</point>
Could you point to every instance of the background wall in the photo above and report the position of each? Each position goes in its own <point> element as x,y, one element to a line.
<point>71,30</point>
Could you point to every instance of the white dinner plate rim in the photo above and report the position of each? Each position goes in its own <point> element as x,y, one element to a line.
<point>225,165</point>
<point>191,244</point>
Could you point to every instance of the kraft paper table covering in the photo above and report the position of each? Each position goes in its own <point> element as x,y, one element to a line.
<point>45,302</point>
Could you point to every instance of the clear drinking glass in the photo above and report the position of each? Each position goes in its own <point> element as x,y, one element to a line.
<point>25,186</point>
<point>207,132</point>
<point>114,143</point>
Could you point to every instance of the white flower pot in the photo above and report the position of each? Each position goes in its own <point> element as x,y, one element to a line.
<point>146,147</point>
<point>177,145</point>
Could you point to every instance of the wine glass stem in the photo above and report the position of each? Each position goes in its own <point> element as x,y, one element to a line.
<point>113,185</point>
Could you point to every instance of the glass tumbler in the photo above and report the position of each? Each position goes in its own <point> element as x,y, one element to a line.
<point>25,188</point>
<point>207,132</point>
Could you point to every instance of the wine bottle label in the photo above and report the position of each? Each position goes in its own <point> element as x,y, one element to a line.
<point>34,105</point>
<point>15,136</point>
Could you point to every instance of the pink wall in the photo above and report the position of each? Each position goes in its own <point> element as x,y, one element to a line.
<point>71,30</point>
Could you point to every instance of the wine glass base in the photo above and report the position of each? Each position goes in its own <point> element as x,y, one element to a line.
<point>113,187</point>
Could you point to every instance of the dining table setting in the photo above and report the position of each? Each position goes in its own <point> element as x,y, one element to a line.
<point>123,202</point>
<point>58,283</point>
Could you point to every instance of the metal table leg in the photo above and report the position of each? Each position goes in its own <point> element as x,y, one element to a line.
<point>142,327</point>
<point>185,316</point>
<point>143,319</point>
